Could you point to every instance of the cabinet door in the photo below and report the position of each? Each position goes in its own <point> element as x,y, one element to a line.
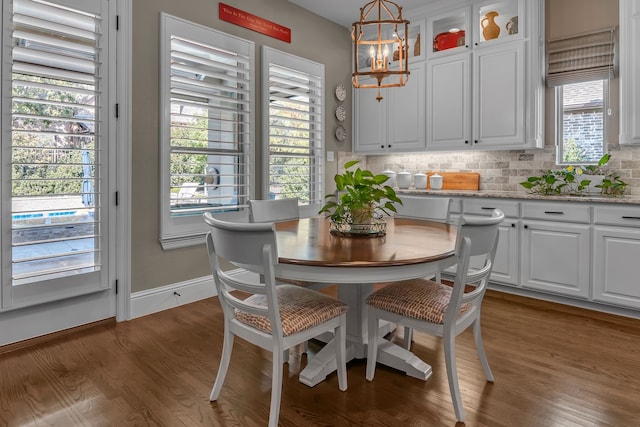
<point>629,69</point>
<point>505,264</point>
<point>615,257</point>
<point>449,103</point>
<point>555,257</point>
<point>369,125</point>
<point>498,92</point>
<point>405,112</point>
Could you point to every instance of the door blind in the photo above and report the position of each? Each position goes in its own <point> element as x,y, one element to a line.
<point>56,124</point>
<point>295,134</point>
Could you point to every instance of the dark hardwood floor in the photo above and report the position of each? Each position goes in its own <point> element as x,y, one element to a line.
<point>554,366</point>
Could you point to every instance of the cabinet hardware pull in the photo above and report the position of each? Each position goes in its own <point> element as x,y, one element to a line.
<point>466,141</point>
<point>487,209</point>
<point>475,141</point>
<point>526,226</point>
<point>631,217</point>
<point>513,224</point>
<point>554,212</point>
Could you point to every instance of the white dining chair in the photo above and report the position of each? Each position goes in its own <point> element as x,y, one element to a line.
<point>273,210</point>
<point>275,318</point>
<point>438,309</point>
<point>423,207</point>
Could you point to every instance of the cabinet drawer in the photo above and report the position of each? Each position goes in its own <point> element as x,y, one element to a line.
<point>565,212</point>
<point>625,216</point>
<point>486,206</point>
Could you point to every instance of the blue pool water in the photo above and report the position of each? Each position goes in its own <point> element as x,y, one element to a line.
<point>36,215</point>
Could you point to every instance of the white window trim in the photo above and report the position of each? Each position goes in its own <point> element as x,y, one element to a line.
<point>274,56</point>
<point>185,231</point>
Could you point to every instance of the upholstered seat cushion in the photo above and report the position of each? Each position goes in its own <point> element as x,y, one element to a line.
<point>419,299</point>
<point>300,309</point>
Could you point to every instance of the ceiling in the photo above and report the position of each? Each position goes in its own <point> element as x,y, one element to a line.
<point>346,12</point>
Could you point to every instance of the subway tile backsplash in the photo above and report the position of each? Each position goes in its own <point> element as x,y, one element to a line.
<point>499,170</point>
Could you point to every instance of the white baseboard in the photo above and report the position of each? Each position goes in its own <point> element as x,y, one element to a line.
<point>170,296</point>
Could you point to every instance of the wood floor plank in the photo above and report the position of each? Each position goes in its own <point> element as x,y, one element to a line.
<point>554,366</point>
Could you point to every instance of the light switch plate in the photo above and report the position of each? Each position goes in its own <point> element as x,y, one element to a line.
<point>330,156</point>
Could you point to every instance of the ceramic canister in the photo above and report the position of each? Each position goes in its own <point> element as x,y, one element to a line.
<point>404,179</point>
<point>420,181</point>
<point>435,181</point>
<point>392,177</point>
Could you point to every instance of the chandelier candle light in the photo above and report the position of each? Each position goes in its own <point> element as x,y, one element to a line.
<point>380,30</point>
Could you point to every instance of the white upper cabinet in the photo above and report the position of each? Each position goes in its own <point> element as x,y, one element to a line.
<point>629,70</point>
<point>394,124</point>
<point>484,77</point>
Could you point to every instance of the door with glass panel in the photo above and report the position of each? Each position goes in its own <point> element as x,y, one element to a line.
<point>57,147</point>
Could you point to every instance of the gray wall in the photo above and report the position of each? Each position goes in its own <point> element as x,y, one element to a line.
<point>311,37</point>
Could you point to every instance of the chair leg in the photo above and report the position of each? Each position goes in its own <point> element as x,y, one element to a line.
<point>285,356</point>
<point>341,353</point>
<point>449,342</point>
<point>372,344</point>
<point>408,337</point>
<point>276,386</point>
<point>227,346</point>
<point>477,335</point>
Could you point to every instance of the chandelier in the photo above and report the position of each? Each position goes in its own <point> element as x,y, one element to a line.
<point>380,50</point>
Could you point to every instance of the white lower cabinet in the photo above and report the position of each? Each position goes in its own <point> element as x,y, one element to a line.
<point>555,258</point>
<point>616,250</point>
<point>556,248</point>
<point>506,262</point>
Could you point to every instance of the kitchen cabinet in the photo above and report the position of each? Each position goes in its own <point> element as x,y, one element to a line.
<point>480,96</point>
<point>492,115</point>
<point>396,123</point>
<point>556,248</point>
<point>507,260</point>
<point>629,69</point>
<point>616,250</point>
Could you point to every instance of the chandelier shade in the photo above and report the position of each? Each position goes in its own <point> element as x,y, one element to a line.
<point>380,51</point>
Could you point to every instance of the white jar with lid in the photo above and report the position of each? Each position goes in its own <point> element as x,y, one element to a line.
<point>435,182</point>
<point>420,181</point>
<point>404,179</point>
<point>392,177</point>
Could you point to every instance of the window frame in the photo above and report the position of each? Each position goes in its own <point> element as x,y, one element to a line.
<point>306,66</point>
<point>189,230</point>
<point>559,122</point>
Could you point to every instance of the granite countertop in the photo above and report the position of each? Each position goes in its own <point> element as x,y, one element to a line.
<point>595,198</point>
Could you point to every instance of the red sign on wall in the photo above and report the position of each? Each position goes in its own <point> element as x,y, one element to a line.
<point>253,22</point>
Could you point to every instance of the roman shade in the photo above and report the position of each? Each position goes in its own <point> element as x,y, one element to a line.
<point>581,58</point>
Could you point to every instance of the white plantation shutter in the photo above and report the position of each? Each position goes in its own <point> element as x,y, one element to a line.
<point>207,125</point>
<point>294,123</point>
<point>56,138</point>
<point>581,58</point>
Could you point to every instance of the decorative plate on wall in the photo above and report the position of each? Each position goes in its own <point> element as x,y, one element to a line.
<point>341,113</point>
<point>341,133</point>
<point>341,93</point>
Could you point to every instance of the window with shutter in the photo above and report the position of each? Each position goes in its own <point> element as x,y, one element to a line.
<point>56,133</point>
<point>207,127</point>
<point>294,116</point>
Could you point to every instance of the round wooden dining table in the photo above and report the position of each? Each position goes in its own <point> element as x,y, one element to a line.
<point>410,249</point>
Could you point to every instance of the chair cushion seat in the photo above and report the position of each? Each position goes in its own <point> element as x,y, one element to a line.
<point>419,299</point>
<point>300,309</point>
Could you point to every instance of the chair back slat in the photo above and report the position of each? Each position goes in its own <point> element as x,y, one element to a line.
<point>419,207</point>
<point>273,210</point>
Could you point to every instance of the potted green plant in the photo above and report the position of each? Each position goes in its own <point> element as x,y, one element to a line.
<point>360,201</point>
<point>577,180</point>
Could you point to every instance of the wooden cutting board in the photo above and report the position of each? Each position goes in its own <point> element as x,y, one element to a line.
<point>458,180</point>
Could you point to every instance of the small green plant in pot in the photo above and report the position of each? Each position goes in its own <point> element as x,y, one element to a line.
<point>361,199</point>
